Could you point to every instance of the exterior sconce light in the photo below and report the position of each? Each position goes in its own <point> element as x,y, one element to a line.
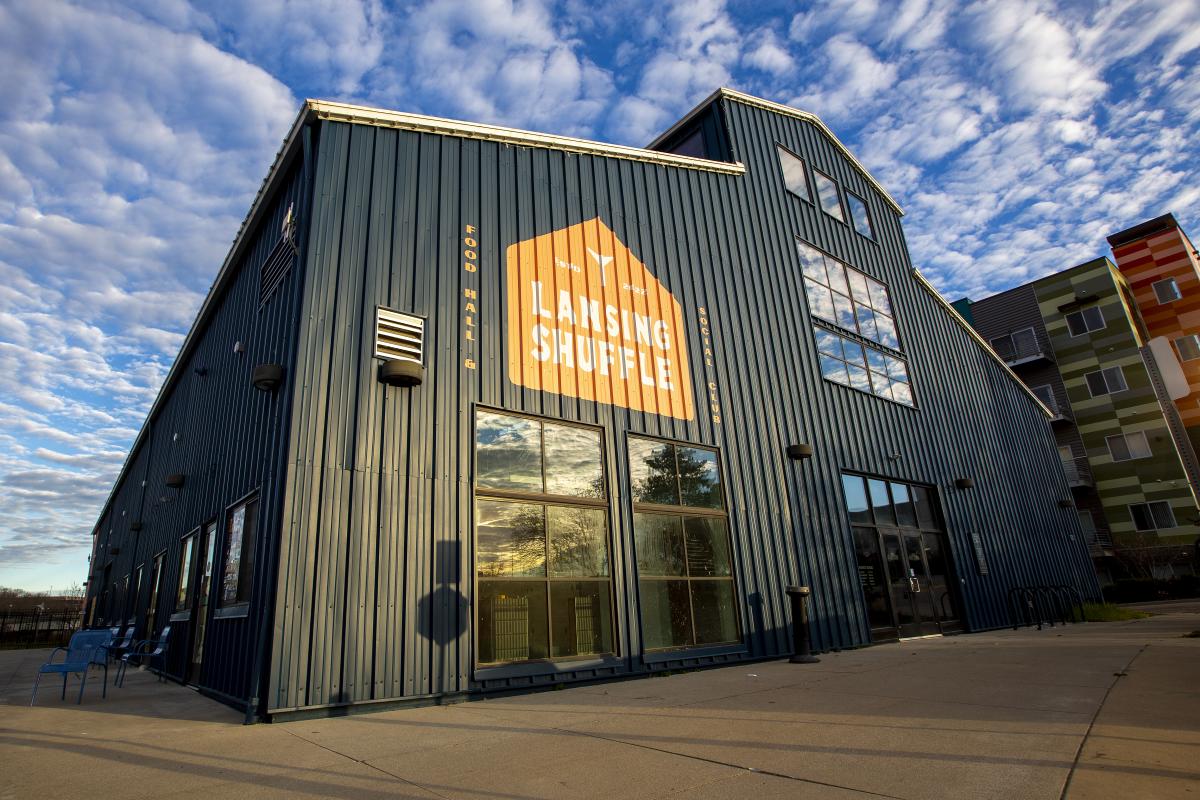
<point>401,372</point>
<point>175,480</point>
<point>1065,503</point>
<point>267,377</point>
<point>135,526</point>
<point>800,451</point>
<point>964,483</point>
<point>114,551</point>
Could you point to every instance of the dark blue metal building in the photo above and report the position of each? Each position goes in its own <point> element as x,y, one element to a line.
<point>470,408</point>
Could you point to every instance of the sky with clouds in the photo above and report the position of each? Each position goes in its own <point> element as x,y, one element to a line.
<point>133,136</point>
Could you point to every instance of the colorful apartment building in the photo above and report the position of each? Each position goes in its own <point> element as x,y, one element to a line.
<point>1112,350</point>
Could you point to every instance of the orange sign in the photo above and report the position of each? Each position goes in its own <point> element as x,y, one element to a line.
<point>587,319</point>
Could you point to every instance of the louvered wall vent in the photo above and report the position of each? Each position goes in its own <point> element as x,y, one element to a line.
<point>279,261</point>
<point>400,342</point>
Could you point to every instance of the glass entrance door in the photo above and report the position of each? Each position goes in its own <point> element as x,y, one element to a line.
<point>200,612</point>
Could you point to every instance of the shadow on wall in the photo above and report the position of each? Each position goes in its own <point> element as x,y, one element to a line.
<point>442,614</point>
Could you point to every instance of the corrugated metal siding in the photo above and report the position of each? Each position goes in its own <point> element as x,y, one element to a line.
<point>375,581</point>
<point>227,439</point>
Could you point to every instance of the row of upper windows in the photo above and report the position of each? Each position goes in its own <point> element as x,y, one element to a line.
<point>829,195</point>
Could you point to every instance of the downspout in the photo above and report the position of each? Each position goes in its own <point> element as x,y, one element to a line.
<point>260,678</point>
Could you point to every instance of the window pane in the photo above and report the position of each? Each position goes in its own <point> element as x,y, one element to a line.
<point>185,571</point>
<point>834,370</point>
<point>794,177</point>
<point>828,342</point>
<point>652,472</point>
<point>866,323</point>
<point>837,276</point>
<point>871,577</point>
<point>508,452</point>
<point>1139,447</point>
<point>820,300</point>
<point>712,607</point>
<point>234,531</point>
<point>666,614</point>
<point>887,332</point>
<point>510,539</point>
<point>1166,290</point>
<point>707,542</point>
<point>881,385</point>
<point>1045,394</point>
<point>1142,521</point>
<point>1114,377</point>
<point>1096,384</point>
<point>858,286</point>
<point>512,621</point>
<point>578,541</point>
<point>1076,324</point>
<point>856,499</point>
<point>843,313</point>
<point>897,369</point>
<point>1024,342</point>
<point>853,353</point>
<point>859,378</point>
<point>859,215</point>
<point>1118,448</point>
<point>880,502</point>
<point>1189,347</point>
<point>828,192</point>
<point>923,502</point>
<point>699,479</point>
<point>573,465</point>
<point>902,393</point>
<point>580,618</point>
<point>658,540</point>
<point>905,513</point>
<point>1093,318</point>
<point>812,262</point>
<point>879,298</point>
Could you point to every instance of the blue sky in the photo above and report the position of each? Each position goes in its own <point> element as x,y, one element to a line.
<point>133,136</point>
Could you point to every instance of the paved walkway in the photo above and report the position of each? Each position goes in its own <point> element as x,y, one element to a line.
<point>1090,711</point>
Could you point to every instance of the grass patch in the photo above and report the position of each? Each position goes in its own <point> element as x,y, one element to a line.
<point>1107,612</point>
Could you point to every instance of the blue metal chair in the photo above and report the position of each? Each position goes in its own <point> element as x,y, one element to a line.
<point>85,649</point>
<point>149,649</point>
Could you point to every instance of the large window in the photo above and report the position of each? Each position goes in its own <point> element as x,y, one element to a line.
<point>541,540</point>
<point>1166,291</point>
<point>862,367</point>
<point>1152,516</point>
<point>1128,446</point>
<point>859,215</point>
<point>681,535</point>
<point>241,525</point>
<point>187,553</point>
<point>1106,381</point>
<point>152,603</point>
<point>827,193</point>
<point>1188,347</point>
<point>794,176</point>
<point>1016,345</point>
<point>843,296</point>
<point>1085,321</point>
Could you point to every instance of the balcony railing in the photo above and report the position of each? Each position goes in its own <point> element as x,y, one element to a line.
<point>1078,472</point>
<point>1023,352</point>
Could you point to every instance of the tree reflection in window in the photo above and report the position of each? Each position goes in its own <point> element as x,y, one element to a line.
<point>543,564</point>
<point>662,473</point>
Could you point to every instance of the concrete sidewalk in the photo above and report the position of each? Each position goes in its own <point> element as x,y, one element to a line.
<point>1102,710</point>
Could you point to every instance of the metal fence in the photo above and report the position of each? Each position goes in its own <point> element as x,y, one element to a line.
<point>37,628</point>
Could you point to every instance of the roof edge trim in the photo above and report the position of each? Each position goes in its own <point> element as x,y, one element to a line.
<point>987,348</point>
<point>363,115</point>
<point>780,108</point>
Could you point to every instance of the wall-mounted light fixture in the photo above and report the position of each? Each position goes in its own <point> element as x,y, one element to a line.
<point>135,526</point>
<point>239,348</point>
<point>799,451</point>
<point>176,480</point>
<point>1065,503</point>
<point>401,372</point>
<point>964,483</point>
<point>201,371</point>
<point>114,551</point>
<point>267,377</point>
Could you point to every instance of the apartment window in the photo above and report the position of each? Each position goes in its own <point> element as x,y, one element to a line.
<point>1046,394</point>
<point>862,367</point>
<point>1085,321</point>
<point>541,540</point>
<point>241,525</point>
<point>1152,516</point>
<point>1166,290</point>
<point>1015,345</point>
<point>137,594</point>
<point>681,536</point>
<point>187,553</point>
<point>859,215</point>
<point>794,176</point>
<point>1106,381</point>
<point>827,192</point>
<point>1188,347</point>
<point>843,296</point>
<point>1128,446</point>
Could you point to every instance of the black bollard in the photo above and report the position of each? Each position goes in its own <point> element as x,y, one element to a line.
<point>799,597</point>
